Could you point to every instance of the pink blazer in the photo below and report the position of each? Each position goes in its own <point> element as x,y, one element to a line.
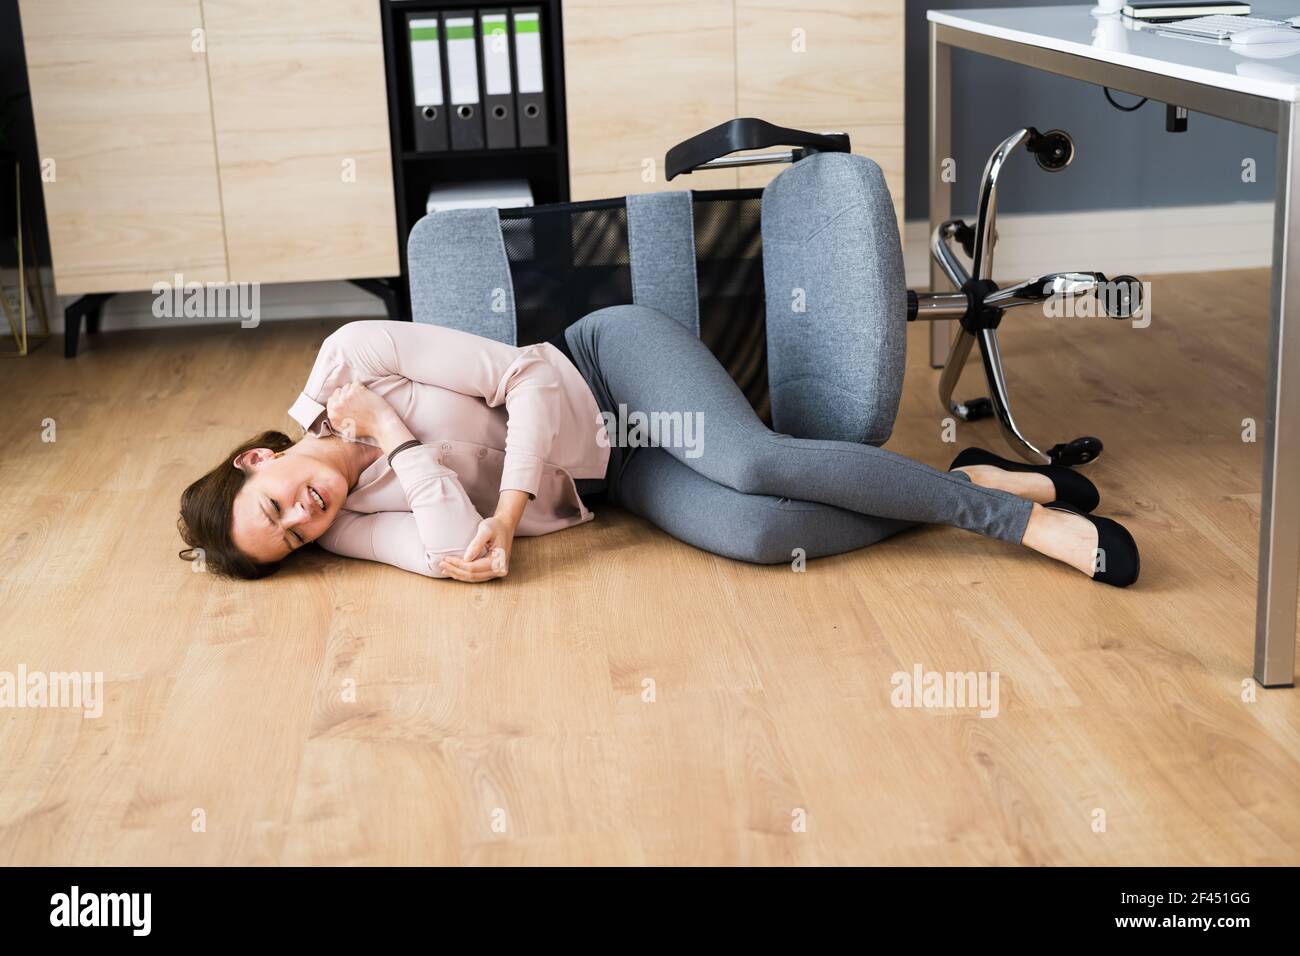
<point>492,418</point>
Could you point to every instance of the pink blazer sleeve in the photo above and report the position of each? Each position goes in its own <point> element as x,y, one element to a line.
<point>441,521</point>
<point>521,379</point>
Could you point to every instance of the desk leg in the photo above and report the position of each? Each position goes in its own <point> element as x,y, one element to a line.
<point>1279,527</point>
<point>940,191</point>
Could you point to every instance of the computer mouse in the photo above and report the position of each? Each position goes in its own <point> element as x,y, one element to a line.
<point>1266,35</point>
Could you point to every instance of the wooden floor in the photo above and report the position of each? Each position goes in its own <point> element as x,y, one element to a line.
<point>622,698</point>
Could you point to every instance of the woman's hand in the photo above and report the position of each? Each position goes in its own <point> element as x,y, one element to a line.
<point>355,411</point>
<point>488,555</point>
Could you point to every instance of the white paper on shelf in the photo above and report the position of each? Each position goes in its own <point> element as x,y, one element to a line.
<point>493,193</point>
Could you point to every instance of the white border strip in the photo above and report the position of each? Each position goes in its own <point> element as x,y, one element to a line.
<point>1137,242</point>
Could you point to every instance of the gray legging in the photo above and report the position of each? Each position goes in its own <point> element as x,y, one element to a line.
<point>748,492</point>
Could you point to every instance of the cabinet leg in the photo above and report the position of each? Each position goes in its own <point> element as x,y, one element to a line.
<point>389,291</point>
<point>71,331</point>
<point>87,307</point>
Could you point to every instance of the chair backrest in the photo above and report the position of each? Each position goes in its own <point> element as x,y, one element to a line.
<point>551,265</point>
<point>798,289</point>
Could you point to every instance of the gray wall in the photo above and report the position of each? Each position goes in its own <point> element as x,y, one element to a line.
<point>1124,160</point>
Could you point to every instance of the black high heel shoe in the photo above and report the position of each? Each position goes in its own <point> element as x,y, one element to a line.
<point>1071,487</point>
<point>1118,551</point>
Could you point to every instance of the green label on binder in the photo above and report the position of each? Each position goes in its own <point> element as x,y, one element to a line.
<point>424,33</point>
<point>460,33</point>
<point>526,26</point>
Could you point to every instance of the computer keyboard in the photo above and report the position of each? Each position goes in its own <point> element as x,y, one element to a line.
<point>1218,27</point>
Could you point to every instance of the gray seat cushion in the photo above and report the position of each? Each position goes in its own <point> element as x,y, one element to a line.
<point>836,300</point>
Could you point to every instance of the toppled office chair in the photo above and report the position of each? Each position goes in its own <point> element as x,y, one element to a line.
<point>818,201</point>
<point>798,288</point>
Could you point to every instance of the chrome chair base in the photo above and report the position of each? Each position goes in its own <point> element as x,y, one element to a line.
<point>979,304</point>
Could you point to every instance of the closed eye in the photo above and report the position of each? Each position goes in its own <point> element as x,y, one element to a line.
<point>291,535</point>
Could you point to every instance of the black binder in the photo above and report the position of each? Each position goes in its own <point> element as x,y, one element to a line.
<point>461,46</point>
<point>530,76</point>
<point>424,39</point>
<point>498,79</point>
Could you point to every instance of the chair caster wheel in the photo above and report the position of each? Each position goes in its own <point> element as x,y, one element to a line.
<point>976,409</point>
<point>1121,297</point>
<point>1078,452</point>
<point>1054,150</point>
<point>965,235</point>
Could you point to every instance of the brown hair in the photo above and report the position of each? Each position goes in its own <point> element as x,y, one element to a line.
<point>207,508</point>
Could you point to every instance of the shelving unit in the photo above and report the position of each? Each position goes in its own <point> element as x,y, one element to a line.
<point>546,168</point>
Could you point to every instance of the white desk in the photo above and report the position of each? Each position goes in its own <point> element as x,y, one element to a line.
<point>1259,91</point>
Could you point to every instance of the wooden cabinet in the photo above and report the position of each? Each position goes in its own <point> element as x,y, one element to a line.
<point>642,77</point>
<point>125,139</point>
<point>225,140</point>
<point>834,65</point>
<point>300,110</point>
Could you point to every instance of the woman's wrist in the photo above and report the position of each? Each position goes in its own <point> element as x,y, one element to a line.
<point>510,507</point>
<point>392,431</point>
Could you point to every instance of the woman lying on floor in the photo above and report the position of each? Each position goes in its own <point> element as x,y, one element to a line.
<point>415,432</point>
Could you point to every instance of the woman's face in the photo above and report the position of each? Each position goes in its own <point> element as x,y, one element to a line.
<point>286,501</point>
